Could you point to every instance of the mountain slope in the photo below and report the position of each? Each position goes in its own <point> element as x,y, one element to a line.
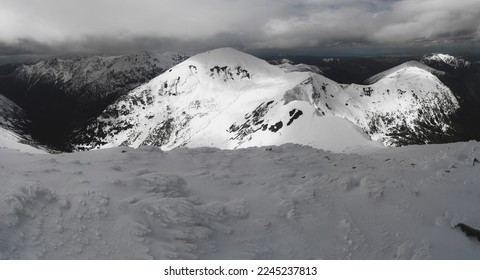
<point>14,141</point>
<point>60,94</point>
<point>463,78</point>
<point>406,105</point>
<point>407,64</point>
<point>14,127</point>
<point>227,99</point>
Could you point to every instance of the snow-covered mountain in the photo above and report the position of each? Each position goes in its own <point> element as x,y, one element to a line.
<point>407,105</point>
<point>450,60</point>
<point>407,64</point>
<point>289,66</point>
<point>14,126</point>
<point>60,94</point>
<point>462,76</point>
<point>228,99</point>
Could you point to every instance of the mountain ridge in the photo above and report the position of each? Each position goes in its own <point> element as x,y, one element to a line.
<point>222,81</point>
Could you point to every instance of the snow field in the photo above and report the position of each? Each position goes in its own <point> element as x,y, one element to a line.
<point>286,202</point>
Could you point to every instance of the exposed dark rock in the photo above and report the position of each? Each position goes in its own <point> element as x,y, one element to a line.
<point>294,114</point>
<point>276,127</point>
<point>469,231</point>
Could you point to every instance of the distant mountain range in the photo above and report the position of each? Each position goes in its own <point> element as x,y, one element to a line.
<point>228,99</point>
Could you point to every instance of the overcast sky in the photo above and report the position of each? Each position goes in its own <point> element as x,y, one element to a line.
<point>113,26</point>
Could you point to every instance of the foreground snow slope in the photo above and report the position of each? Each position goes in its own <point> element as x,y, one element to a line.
<point>287,202</point>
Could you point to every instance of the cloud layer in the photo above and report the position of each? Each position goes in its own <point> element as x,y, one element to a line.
<point>117,26</point>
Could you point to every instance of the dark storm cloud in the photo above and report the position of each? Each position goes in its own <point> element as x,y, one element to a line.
<point>109,26</point>
<point>120,45</point>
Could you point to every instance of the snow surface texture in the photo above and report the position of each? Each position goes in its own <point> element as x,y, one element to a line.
<point>286,202</point>
<point>228,99</point>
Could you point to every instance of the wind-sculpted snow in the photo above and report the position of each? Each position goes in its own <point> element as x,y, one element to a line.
<point>278,202</point>
<point>228,99</point>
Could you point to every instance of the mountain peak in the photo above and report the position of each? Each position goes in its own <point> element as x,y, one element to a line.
<point>226,50</point>
<point>453,61</point>
<point>440,57</point>
<point>225,54</point>
<point>404,66</point>
<point>233,61</point>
